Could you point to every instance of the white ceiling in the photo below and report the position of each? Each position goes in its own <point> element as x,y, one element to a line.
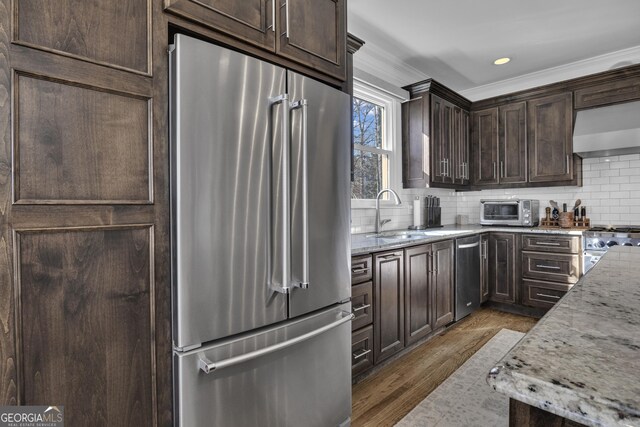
<point>456,41</point>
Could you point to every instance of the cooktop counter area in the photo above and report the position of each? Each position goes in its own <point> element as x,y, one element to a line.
<point>582,360</point>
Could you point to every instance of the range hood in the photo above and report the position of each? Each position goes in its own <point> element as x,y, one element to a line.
<point>608,131</point>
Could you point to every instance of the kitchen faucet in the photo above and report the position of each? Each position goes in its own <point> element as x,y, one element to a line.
<point>379,222</point>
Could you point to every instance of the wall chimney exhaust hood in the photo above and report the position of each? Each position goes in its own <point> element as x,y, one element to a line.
<point>607,131</point>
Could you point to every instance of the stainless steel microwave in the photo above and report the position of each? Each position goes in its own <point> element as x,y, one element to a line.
<point>515,212</point>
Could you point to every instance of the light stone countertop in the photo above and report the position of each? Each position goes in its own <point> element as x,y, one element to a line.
<point>582,359</point>
<point>367,242</point>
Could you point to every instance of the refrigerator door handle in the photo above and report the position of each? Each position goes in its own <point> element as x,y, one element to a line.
<point>285,287</point>
<point>207,366</point>
<point>302,105</point>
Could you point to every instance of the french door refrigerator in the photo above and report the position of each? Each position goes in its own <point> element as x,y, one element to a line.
<point>260,217</point>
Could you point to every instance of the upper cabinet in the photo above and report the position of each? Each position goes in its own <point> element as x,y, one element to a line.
<point>550,134</point>
<point>312,33</point>
<point>435,137</point>
<point>500,145</point>
<point>522,143</point>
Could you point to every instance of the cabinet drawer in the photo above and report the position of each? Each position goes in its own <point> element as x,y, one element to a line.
<point>362,305</point>
<point>360,269</point>
<point>361,350</point>
<point>561,268</point>
<point>551,243</point>
<point>538,293</point>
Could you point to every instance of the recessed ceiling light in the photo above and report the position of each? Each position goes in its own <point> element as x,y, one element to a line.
<point>501,61</point>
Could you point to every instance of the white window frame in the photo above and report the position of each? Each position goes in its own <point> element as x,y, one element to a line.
<point>391,137</point>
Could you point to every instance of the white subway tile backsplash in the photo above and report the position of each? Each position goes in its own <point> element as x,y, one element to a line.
<point>610,192</point>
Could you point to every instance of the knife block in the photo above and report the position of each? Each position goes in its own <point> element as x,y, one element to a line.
<point>433,216</point>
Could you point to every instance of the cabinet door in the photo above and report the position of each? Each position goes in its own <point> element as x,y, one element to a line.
<point>485,143</point>
<point>502,267</point>
<point>314,33</point>
<point>484,267</point>
<point>460,146</point>
<point>513,143</point>
<point>248,20</point>
<point>549,137</point>
<point>438,167</point>
<point>418,299</point>
<point>389,313</point>
<point>442,283</point>
<point>447,142</point>
<point>415,143</point>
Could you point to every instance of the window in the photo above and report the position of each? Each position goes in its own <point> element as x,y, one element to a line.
<point>374,154</point>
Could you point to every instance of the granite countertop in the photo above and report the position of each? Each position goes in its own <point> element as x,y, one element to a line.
<point>367,242</point>
<point>582,360</point>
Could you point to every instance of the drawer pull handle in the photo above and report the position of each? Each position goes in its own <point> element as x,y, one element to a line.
<point>361,354</point>
<point>393,255</point>
<point>360,307</point>
<point>550,267</point>
<point>359,270</point>
<point>548,296</point>
<point>547,244</point>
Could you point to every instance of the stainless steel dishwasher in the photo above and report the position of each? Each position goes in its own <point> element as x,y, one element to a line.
<point>467,276</point>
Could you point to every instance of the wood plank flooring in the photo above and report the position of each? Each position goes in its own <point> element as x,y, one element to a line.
<point>385,397</point>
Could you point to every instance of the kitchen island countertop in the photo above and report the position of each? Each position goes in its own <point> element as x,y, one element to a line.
<point>367,242</point>
<point>582,359</point>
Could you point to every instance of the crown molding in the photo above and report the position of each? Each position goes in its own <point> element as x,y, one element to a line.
<point>378,62</point>
<point>569,71</point>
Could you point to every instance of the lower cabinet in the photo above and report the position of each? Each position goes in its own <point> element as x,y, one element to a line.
<point>412,295</point>
<point>503,254</point>
<point>443,283</point>
<point>388,277</point>
<point>429,287</point>
<point>361,350</point>
<point>418,295</point>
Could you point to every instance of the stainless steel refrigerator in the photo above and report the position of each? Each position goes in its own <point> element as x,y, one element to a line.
<point>260,242</point>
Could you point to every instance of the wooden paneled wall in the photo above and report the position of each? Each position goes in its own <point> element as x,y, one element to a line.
<point>84,233</point>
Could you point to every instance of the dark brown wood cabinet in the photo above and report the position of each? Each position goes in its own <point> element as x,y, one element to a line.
<point>415,142</point>
<point>389,304</point>
<point>443,282</point>
<point>550,138</point>
<point>84,242</point>
<point>499,141</point>
<point>512,143</point>
<point>435,137</point>
<point>484,142</point>
<point>484,268</point>
<point>312,33</point>
<point>361,350</point>
<point>419,313</point>
<point>613,92</point>
<point>251,21</point>
<point>503,267</point>
<point>551,264</point>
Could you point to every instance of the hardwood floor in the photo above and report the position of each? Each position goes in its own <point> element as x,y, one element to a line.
<point>385,397</point>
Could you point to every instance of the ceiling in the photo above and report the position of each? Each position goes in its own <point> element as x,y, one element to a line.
<point>456,42</point>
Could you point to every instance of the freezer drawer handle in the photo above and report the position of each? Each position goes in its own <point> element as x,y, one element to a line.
<point>304,283</point>
<point>361,354</point>
<point>207,366</point>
